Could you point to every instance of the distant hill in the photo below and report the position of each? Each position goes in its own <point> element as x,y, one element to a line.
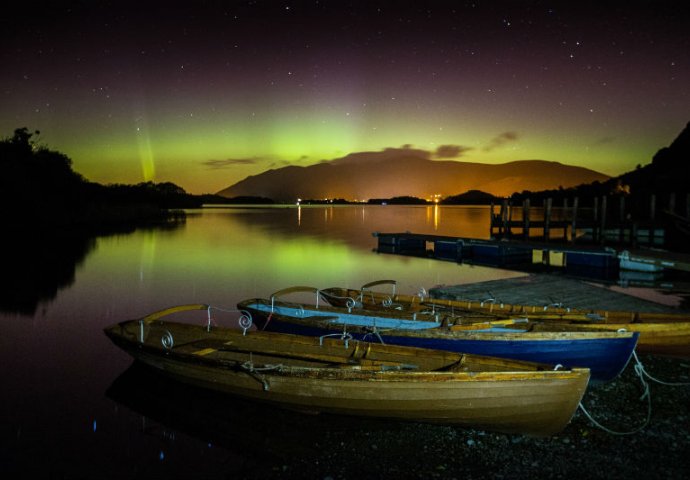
<point>667,172</point>
<point>407,172</point>
<point>473,197</point>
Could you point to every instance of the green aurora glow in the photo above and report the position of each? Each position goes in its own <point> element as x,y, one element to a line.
<point>206,99</point>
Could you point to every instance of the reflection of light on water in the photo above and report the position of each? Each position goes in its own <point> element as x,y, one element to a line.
<point>328,214</point>
<point>433,216</point>
<point>299,215</point>
<point>148,254</point>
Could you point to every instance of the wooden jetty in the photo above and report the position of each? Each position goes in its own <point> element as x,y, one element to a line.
<point>580,260</point>
<point>564,292</point>
<point>591,241</point>
<point>499,253</point>
<point>607,220</point>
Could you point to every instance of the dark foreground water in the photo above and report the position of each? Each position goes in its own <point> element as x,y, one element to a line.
<point>74,406</point>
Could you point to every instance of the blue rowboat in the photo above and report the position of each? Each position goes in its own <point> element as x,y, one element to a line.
<point>605,353</point>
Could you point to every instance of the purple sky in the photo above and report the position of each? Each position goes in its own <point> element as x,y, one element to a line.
<point>135,91</point>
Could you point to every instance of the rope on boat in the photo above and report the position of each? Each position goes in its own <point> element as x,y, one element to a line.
<point>376,333</point>
<point>639,370</point>
<point>255,372</point>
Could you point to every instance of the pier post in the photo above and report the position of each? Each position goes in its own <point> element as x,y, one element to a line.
<point>602,225</point>
<point>547,219</point>
<point>672,202</point>
<point>621,218</point>
<point>595,220</point>
<point>525,219</point>
<point>573,227</point>
<point>564,219</point>
<point>652,217</point>
<point>504,216</point>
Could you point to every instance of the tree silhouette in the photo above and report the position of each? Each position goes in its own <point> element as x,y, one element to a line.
<point>38,187</point>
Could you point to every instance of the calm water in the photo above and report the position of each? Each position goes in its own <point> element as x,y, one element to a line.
<point>74,407</point>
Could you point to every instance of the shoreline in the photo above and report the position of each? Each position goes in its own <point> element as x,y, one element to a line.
<point>422,451</point>
<point>649,419</point>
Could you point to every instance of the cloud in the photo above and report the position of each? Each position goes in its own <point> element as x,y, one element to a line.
<point>229,162</point>
<point>407,149</point>
<point>451,151</point>
<point>268,161</point>
<point>501,140</point>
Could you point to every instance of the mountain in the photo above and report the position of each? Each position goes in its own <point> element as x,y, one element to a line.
<point>666,173</point>
<point>405,171</point>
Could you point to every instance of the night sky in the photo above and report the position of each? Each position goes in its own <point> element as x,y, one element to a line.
<point>207,93</point>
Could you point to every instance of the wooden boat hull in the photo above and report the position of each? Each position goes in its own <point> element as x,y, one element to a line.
<point>660,333</point>
<point>659,339</point>
<point>464,390</point>
<point>606,354</point>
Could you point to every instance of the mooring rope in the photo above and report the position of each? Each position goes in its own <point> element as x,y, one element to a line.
<point>643,375</point>
<point>639,370</point>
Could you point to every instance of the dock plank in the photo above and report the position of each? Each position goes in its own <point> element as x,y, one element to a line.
<point>546,289</point>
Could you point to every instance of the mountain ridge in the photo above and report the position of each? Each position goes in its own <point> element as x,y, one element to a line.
<point>400,172</point>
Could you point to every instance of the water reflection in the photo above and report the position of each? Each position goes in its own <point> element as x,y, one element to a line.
<point>260,439</point>
<point>355,224</point>
<point>69,288</point>
<point>37,268</point>
<point>39,264</point>
<point>258,435</point>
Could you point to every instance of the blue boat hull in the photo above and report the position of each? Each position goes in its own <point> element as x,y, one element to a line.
<point>605,357</point>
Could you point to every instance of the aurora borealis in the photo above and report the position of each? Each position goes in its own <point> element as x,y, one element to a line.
<point>207,93</point>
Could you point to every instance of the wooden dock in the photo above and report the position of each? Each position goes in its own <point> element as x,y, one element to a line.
<point>605,220</point>
<point>546,289</point>
<point>588,261</point>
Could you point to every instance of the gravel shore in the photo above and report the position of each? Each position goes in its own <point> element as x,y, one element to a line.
<point>660,449</point>
<point>651,420</point>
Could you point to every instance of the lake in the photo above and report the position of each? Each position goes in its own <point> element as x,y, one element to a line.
<point>75,407</point>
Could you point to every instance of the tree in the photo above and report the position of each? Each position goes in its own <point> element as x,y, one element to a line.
<point>23,137</point>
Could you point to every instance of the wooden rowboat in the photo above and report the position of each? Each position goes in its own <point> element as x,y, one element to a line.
<point>356,378</point>
<point>605,353</point>
<point>660,333</point>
